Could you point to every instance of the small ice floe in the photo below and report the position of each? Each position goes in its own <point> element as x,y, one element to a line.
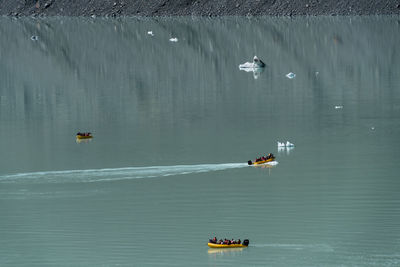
<point>288,144</point>
<point>281,144</point>
<point>174,39</point>
<point>257,63</point>
<point>316,73</point>
<point>338,107</point>
<point>257,66</point>
<point>285,147</point>
<point>150,33</point>
<point>34,38</point>
<point>372,128</point>
<point>290,75</point>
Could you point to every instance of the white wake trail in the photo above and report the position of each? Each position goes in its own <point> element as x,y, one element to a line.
<point>114,174</point>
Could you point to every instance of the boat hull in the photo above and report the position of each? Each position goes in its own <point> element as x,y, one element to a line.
<point>261,162</point>
<point>213,245</point>
<point>83,137</point>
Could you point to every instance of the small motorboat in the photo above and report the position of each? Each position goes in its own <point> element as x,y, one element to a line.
<point>242,245</point>
<point>84,135</point>
<point>262,160</point>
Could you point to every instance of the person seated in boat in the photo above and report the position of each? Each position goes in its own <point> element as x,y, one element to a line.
<point>214,240</point>
<point>239,241</point>
<point>79,133</point>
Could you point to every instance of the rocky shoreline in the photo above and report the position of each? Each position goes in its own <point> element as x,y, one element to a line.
<point>213,8</point>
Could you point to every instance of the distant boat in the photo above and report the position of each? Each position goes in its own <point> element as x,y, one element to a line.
<point>214,245</point>
<point>262,160</point>
<point>84,135</point>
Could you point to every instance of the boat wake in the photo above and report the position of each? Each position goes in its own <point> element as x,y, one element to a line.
<point>313,247</point>
<point>114,174</point>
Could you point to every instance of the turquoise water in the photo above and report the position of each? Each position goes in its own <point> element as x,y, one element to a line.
<point>174,125</point>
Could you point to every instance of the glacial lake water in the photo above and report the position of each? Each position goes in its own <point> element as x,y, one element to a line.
<point>174,125</point>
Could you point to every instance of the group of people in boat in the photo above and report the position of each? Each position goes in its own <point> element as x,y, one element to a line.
<point>263,158</point>
<point>225,241</point>
<point>84,134</point>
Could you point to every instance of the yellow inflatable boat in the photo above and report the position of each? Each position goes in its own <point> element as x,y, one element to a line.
<point>84,136</point>
<point>244,244</point>
<point>212,245</point>
<point>262,160</point>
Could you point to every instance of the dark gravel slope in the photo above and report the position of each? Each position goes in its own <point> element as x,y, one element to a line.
<point>115,8</point>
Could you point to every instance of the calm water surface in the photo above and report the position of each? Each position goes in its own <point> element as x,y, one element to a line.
<point>174,124</point>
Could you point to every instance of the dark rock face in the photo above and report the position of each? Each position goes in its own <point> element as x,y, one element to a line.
<point>151,8</point>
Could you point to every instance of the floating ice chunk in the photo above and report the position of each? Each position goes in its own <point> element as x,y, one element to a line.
<point>174,39</point>
<point>372,128</point>
<point>288,144</point>
<point>338,107</point>
<point>290,75</point>
<point>316,73</point>
<point>257,63</point>
<point>257,66</point>
<point>150,33</point>
<point>248,66</point>
<point>34,38</point>
<point>281,144</point>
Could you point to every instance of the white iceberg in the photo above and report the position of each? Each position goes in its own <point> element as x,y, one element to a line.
<point>174,39</point>
<point>281,144</point>
<point>250,66</point>
<point>150,33</point>
<point>288,144</point>
<point>291,75</point>
<point>338,107</point>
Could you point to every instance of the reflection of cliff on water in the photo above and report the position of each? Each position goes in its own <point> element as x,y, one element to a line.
<point>78,66</point>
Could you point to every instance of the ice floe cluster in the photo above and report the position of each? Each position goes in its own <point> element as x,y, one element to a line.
<point>287,144</point>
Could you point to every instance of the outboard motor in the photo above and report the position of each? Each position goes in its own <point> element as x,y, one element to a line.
<point>245,242</point>
<point>249,162</point>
